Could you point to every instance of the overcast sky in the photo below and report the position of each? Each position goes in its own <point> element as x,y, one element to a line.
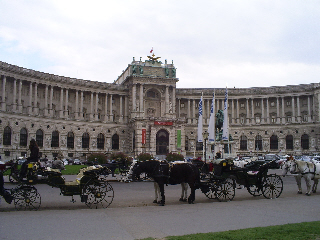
<point>213,44</point>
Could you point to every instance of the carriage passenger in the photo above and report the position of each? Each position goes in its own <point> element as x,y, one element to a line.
<point>34,156</point>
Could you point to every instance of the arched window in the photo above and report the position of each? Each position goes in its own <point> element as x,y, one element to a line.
<point>7,136</point>
<point>39,137</point>
<point>70,140</point>
<point>100,141</point>
<point>85,140</point>
<point>289,142</point>
<point>273,142</point>
<point>115,142</point>
<point>55,139</point>
<point>258,143</point>
<point>243,142</point>
<point>23,137</point>
<point>305,141</point>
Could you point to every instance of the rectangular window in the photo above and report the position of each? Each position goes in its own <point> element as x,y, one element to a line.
<point>272,104</point>
<point>289,119</point>
<point>257,104</point>
<point>182,105</point>
<point>242,105</point>
<point>288,103</point>
<point>258,120</point>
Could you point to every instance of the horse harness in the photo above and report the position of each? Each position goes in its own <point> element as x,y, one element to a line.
<point>304,171</point>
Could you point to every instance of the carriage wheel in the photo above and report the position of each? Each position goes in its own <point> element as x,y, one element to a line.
<point>13,178</point>
<point>97,193</point>
<point>272,186</point>
<point>26,197</point>
<point>210,191</point>
<point>226,190</point>
<point>254,191</point>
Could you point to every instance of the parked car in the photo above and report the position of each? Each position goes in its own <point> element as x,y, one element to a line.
<point>21,161</point>
<point>76,162</point>
<point>268,158</point>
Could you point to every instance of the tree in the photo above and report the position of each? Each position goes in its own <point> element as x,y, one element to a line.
<point>144,157</point>
<point>174,157</point>
<point>99,157</point>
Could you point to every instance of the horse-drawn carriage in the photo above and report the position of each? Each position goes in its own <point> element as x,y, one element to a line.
<point>90,184</point>
<point>221,184</point>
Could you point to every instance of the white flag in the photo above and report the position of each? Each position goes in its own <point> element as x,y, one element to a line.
<point>212,122</point>
<point>225,133</point>
<point>200,138</point>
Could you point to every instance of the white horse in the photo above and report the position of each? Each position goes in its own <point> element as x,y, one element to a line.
<point>157,195</point>
<point>308,170</point>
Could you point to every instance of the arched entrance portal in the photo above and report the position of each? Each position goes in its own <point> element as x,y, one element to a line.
<point>162,142</point>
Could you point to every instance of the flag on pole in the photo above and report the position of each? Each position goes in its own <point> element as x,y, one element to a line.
<point>212,122</point>
<point>225,133</point>
<point>151,50</point>
<point>200,138</point>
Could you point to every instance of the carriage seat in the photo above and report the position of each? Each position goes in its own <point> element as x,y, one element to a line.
<point>80,175</point>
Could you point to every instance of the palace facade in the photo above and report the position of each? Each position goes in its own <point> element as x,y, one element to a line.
<point>143,111</point>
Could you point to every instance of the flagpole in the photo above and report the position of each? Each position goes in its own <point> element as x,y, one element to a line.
<point>200,127</point>
<point>212,124</point>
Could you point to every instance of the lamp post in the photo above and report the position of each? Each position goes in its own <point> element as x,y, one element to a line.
<point>205,138</point>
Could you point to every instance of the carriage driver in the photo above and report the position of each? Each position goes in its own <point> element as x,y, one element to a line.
<point>34,157</point>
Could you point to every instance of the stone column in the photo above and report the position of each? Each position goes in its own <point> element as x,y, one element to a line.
<point>134,89</point>
<point>268,113</point>
<point>106,117</point>
<point>252,111</point>
<point>111,113</point>
<point>282,108</point>
<point>173,100</point>
<point>293,112</point>
<point>298,109</point>
<point>3,102</point>
<point>96,107</point>
<point>247,112</point>
<point>167,100</point>
<point>189,114</point>
<point>232,111</point>
<point>91,106</point>
<point>278,111</point>
<point>179,104</point>
<point>66,110</point>
<point>46,101</point>
<point>82,116</point>
<point>309,109</point>
<point>30,99</point>
<point>120,110</point>
<point>35,104</point>
<point>14,103</point>
<point>61,103</point>
<point>141,100</point>
<point>238,116</point>
<point>262,111</point>
<point>51,98</point>
<point>19,96</point>
<point>76,111</point>
<point>126,111</point>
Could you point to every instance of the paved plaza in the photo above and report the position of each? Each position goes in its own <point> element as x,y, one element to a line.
<point>132,215</point>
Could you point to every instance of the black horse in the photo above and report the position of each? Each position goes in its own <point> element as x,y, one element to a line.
<point>164,173</point>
